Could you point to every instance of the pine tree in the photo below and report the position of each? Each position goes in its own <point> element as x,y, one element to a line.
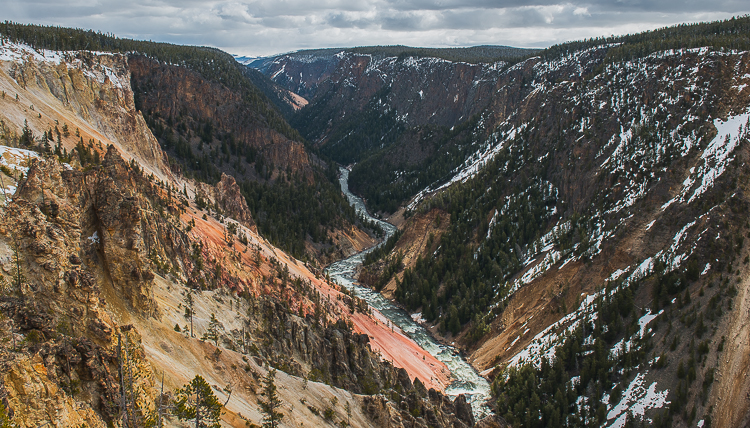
<point>27,136</point>
<point>189,304</point>
<point>5,419</point>
<point>18,277</point>
<point>272,403</point>
<point>197,401</point>
<point>213,330</point>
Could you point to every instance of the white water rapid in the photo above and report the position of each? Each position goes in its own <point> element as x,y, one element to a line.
<point>467,380</point>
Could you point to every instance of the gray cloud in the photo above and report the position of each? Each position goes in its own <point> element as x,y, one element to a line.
<point>262,27</point>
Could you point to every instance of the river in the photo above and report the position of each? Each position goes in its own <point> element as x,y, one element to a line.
<point>466,379</point>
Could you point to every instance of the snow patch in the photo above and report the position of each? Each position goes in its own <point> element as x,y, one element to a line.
<point>15,158</point>
<point>18,52</point>
<point>492,224</point>
<point>645,319</point>
<point>616,274</point>
<point>636,400</point>
<point>716,155</point>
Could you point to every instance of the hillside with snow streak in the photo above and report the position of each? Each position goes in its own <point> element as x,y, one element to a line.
<point>596,220</point>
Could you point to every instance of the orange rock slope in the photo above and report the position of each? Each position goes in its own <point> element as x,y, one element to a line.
<point>392,343</point>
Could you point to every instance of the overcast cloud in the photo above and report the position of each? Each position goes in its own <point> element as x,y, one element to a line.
<point>261,27</point>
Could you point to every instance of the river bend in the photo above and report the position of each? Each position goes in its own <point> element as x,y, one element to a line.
<point>466,379</point>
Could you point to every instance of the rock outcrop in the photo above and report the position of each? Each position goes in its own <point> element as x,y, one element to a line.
<point>232,202</point>
<point>94,216</point>
<point>75,245</point>
<point>431,409</point>
<point>30,387</point>
<point>333,354</point>
<point>340,357</point>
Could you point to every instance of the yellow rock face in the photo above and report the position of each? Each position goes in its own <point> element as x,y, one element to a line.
<point>36,401</point>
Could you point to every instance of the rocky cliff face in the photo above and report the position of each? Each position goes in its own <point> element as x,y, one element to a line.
<point>109,214</point>
<point>420,90</point>
<point>212,112</point>
<point>94,93</point>
<point>421,409</point>
<point>305,72</point>
<point>74,243</point>
<point>30,388</point>
<point>232,202</point>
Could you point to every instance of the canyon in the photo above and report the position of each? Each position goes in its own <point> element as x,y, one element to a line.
<point>571,222</point>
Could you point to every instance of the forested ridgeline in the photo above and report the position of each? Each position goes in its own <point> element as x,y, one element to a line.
<point>472,55</point>
<point>730,34</point>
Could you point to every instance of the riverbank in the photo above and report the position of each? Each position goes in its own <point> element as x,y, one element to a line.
<point>466,380</point>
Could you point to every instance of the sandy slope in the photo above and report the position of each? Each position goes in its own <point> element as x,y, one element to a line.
<point>180,358</point>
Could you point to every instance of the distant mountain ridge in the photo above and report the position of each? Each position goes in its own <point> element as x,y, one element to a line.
<point>245,60</point>
<point>473,54</point>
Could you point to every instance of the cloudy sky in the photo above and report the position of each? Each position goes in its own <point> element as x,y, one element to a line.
<point>264,27</point>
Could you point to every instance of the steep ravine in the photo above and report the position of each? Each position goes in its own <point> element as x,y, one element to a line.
<point>466,379</point>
